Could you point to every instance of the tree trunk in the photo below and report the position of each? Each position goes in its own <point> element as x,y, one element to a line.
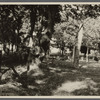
<point>12,48</point>
<point>62,53</point>
<point>73,53</point>
<point>32,19</point>
<point>17,33</point>
<point>50,22</point>
<point>76,57</point>
<point>87,55</point>
<point>17,47</point>
<point>77,46</point>
<point>0,59</point>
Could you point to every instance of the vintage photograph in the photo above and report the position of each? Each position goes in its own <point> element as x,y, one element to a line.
<point>50,49</point>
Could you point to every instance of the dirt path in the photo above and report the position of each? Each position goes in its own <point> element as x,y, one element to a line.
<point>59,79</point>
<point>86,83</point>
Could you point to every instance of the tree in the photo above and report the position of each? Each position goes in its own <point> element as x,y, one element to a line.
<point>66,32</point>
<point>11,23</point>
<point>79,13</point>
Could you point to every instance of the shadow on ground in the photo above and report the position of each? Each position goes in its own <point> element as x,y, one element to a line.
<point>59,79</point>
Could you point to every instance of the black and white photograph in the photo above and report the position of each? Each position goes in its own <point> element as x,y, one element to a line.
<point>50,49</point>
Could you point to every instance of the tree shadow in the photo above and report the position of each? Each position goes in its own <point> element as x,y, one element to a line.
<point>58,73</point>
<point>54,76</point>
